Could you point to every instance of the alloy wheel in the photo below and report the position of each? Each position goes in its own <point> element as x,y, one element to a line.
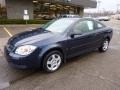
<point>54,62</point>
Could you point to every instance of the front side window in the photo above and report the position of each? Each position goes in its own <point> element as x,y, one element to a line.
<point>84,26</point>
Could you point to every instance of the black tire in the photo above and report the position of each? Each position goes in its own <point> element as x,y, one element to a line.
<point>49,58</point>
<point>104,46</point>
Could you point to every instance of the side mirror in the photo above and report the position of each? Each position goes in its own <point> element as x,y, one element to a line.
<point>72,35</point>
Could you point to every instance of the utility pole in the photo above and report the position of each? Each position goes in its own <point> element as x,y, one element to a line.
<point>98,5</point>
<point>118,9</point>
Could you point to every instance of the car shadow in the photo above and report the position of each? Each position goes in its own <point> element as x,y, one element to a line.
<point>13,75</point>
<point>82,56</point>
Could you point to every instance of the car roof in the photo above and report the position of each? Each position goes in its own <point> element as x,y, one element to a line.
<point>77,18</point>
<point>72,18</point>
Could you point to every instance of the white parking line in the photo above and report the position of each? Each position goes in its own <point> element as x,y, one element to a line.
<point>7,31</point>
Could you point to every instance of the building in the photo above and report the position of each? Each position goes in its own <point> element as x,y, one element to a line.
<point>3,13</point>
<point>45,9</point>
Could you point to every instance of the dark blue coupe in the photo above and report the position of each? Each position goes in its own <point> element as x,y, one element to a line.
<point>51,45</point>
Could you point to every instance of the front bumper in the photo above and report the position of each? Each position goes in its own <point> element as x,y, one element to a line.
<point>23,62</point>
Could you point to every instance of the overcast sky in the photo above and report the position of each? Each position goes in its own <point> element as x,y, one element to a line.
<point>108,5</point>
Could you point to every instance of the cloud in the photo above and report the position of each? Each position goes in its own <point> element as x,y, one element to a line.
<point>106,5</point>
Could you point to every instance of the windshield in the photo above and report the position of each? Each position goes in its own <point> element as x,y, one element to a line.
<point>59,25</point>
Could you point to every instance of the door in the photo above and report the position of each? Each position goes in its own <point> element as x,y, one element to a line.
<point>100,32</point>
<point>81,38</point>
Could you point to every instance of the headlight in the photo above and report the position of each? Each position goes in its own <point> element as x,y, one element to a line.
<point>25,50</point>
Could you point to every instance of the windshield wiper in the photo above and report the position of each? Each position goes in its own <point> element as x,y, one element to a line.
<point>44,29</point>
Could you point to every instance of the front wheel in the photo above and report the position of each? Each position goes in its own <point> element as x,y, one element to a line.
<point>104,46</point>
<point>52,61</point>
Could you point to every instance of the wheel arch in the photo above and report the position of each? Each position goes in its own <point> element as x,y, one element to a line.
<point>107,37</point>
<point>49,49</point>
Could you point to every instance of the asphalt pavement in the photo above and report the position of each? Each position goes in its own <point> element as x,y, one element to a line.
<point>92,71</point>
<point>9,75</point>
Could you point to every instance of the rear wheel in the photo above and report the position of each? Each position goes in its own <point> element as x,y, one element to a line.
<point>104,46</point>
<point>52,61</point>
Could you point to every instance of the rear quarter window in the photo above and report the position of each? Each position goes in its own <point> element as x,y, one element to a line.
<point>99,25</point>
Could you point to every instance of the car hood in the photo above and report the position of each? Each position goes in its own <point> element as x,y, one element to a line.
<point>30,37</point>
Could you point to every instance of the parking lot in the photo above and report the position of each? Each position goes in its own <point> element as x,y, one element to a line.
<point>92,71</point>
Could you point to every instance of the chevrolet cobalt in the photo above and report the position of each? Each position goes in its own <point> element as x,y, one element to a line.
<point>49,46</point>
